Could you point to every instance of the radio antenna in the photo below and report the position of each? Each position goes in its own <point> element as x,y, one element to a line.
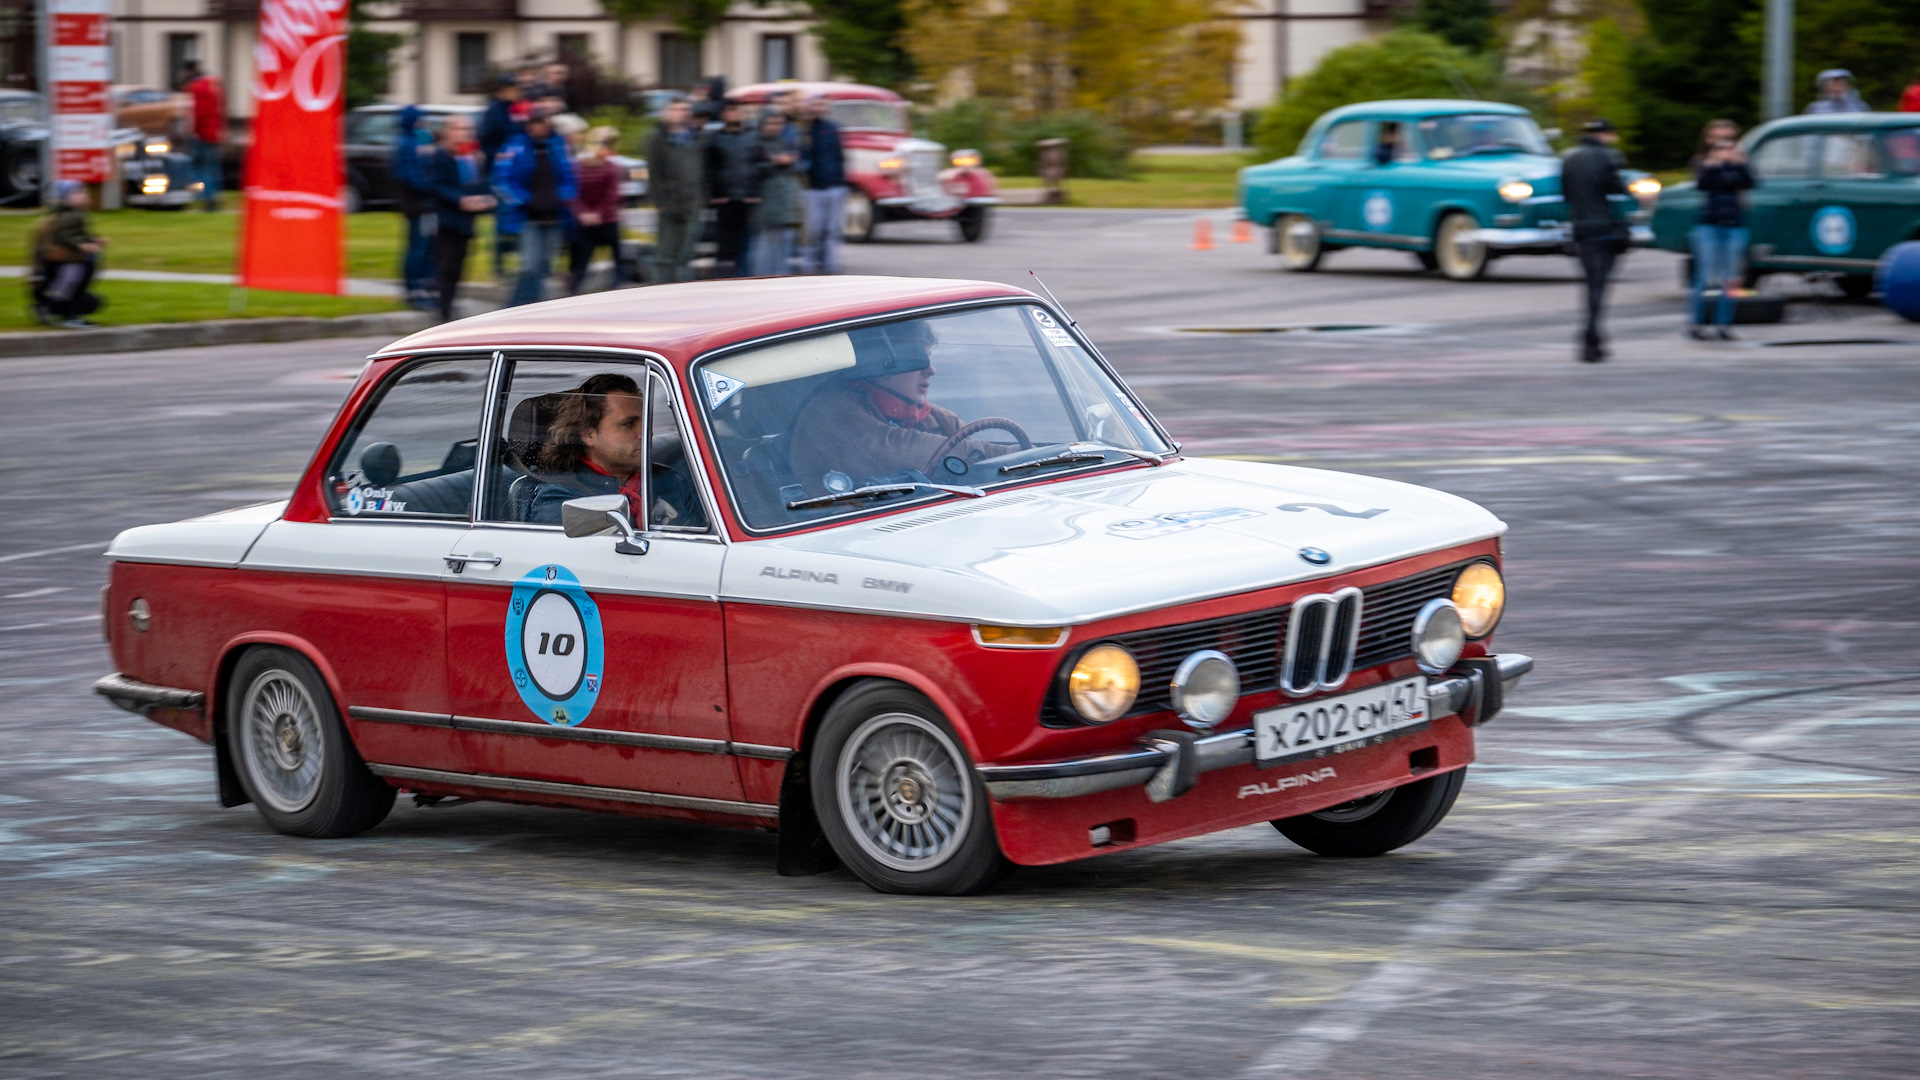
<point>1055,299</point>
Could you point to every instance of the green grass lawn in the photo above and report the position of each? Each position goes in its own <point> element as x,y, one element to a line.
<point>1160,181</point>
<point>131,302</point>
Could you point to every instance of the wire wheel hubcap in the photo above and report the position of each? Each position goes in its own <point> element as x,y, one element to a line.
<point>281,741</point>
<point>1357,810</point>
<point>903,792</point>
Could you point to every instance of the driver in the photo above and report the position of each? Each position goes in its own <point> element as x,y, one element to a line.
<point>878,421</point>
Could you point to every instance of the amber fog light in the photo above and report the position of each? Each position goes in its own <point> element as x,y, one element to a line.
<point>1481,596</point>
<point>1204,689</point>
<point>1103,684</point>
<point>1438,636</point>
<point>1019,637</point>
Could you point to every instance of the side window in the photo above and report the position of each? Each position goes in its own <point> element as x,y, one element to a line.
<point>1789,157</point>
<point>570,429</point>
<point>1850,157</point>
<point>1343,142</point>
<point>1902,150</point>
<point>411,455</point>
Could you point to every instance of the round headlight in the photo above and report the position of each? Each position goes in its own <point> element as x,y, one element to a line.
<point>1104,683</point>
<point>1438,636</point>
<point>1516,191</point>
<point>1481,596</point>
<point>1205,688</point>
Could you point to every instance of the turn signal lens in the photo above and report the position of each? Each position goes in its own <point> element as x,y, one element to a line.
<point>1516,191</point>
<point>892,163</point>
<point>1481,596</point>
<point>1204,689</point>
<point>1019,637</point>
<point>966,159</point>
<point>1437,636</point>
<point>1103,684</point>
<point>1646,187</point>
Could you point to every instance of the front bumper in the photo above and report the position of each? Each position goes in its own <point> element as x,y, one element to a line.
<point>1475,691</point>
<point>1544,240</point>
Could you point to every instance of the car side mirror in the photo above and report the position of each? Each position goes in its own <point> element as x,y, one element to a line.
<point>598,515</point>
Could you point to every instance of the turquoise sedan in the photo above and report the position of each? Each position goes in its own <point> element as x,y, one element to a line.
<point>1832,193</point>
<point>1457,183</point>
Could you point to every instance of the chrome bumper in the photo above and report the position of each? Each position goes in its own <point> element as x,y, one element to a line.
<point>1167,762</point>
<point>1548,239</point>
<point>139,697</point>
<point>922,204</point>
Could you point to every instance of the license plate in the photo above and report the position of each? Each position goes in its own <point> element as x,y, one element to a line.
<point>1348,722</point>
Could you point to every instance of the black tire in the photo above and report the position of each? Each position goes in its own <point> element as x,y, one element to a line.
<point>1376,824</point>
<point>973,224</point>
<point>1297,239</point>
<point>1428,260</point>
<point>292,753</point>
<point>1855,286</point>
<point>1459,259</point>
<point>898,799</point>
<point>21,169</point>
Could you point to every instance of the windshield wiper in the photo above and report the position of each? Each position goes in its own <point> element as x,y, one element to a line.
<point>881,491</point>
<point>1078,452</point>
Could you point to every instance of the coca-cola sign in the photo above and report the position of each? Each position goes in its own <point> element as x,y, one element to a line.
<point>291,238</point>
<point>299,52</point>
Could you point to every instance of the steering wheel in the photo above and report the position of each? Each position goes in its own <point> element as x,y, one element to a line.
<point>985,423</point>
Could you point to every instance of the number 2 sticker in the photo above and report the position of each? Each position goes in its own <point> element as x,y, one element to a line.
<point>554,645</point>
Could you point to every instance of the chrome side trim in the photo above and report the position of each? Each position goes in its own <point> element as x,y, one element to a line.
<point>534,730</point>
<point>138,697</point>
<point>576,791</point>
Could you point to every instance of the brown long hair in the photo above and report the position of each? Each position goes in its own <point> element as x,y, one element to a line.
<point>580,411</point>
<point>1701,153</point>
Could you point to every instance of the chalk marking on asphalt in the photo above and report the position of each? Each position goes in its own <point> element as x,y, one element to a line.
<point>1393,981</point>
<point>17,556</point>
<point>49,622</point>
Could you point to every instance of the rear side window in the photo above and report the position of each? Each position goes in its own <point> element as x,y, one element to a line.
<point>1849,157</point>
<point>1344,142</point>
<point>1902,150</point>
<point>411,455</point>
<point>1788,157</point>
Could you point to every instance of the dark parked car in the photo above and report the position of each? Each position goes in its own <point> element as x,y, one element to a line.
<point>154,174</point>
<point>369,153</point>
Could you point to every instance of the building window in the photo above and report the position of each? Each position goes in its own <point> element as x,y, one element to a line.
<point>679,61</point>
<point>180,49</point>
<point>776,57</point>
<point>572,50</point>
<point>471,64</point>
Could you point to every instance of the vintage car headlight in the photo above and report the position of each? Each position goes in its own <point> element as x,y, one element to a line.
<point>1205,688</point>
<point>158,146</point>
<point>965,159</point>
<point>1646,187</point>
<point>1516,191</point>
<point>892,164</point>
<point>1103,684</point>
<point>1481,596</point>
<point>1438,636</point>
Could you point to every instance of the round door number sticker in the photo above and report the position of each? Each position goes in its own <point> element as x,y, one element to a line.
<point>1833,230</point>
<point>554,645</point>
<point>1377,211</point>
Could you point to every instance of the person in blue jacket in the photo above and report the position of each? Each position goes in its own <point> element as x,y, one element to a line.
<point>500,122</point>
<point>412,149</point>
<point>534,178</point>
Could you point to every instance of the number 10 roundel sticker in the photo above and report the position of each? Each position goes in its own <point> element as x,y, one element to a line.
<point>555,654</point>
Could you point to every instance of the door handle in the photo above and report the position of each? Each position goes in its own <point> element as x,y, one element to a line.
<point>458,563</point>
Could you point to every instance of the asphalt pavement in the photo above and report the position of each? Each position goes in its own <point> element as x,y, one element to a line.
<point>1689,848</point>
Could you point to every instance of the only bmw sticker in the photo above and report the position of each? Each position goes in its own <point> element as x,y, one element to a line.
<point>555,649</point>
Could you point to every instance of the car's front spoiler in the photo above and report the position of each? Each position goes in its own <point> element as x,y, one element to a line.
<point>1165,763</point>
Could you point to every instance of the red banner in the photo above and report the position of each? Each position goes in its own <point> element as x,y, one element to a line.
<point>290,235</point>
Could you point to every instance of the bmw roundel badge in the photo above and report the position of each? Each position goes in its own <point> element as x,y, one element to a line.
<point>1315,556</point>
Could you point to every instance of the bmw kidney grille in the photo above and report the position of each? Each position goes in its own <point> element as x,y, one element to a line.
<point>1321,638</point>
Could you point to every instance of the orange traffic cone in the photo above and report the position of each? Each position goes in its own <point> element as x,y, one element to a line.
<point>1202,235</point>
<point>1242,231</point>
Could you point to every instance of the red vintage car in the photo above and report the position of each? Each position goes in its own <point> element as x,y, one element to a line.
<point>892,176</point>
<point>899,567</point>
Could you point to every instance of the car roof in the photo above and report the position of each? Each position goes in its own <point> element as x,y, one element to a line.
<point>384,108</point>
<point>681,322</point>
<point>839,90</point>
<point>1840,121</point>
<point>1406,108</point>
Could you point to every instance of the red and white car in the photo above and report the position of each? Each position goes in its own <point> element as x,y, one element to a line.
<point>892,176</point>
<point>897,566</point>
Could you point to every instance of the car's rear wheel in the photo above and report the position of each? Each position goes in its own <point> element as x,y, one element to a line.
<point>292,753</point>
<point>1298,239</point>
<point>897,797</point>
<point>856,218</point>
<point>1378,823</point>
<point>1462,255</point>
<point>1855,286</point>
<point>22,169</point>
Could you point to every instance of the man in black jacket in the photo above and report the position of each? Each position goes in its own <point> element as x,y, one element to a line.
<point>733,187</point>
<point>457,173</point>
<point>1588,176</point>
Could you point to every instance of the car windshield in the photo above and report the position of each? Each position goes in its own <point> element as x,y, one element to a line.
<point>852,421</point>
<point>1476,133</point>
<point>372,128</point>
<point>883,115</point>
<point>19,111</point>
<point>1903,150</point>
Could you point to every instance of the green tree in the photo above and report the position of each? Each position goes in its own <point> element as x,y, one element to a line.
<point>1402,64</point>
<point>862,39</point>
<point>1466,23</point>
<point>1694,64</point>
<point>369,59</point>
<point>694,18</point>
<point>1607,78</point>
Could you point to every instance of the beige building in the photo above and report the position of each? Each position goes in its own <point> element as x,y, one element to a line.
<point>453,45</point>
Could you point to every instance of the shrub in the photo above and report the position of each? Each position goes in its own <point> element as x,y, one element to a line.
<point>1096,147</point>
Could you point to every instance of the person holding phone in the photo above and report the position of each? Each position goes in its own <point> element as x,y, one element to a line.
<point>1719,238</point>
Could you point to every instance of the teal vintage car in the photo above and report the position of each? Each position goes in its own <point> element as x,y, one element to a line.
<point>1832,192</point>
<point>1457,183</point>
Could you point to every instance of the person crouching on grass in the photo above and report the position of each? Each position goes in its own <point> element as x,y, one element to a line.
<point>64,258</point>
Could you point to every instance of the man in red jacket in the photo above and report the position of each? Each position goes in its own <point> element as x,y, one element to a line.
<point>209,129</point>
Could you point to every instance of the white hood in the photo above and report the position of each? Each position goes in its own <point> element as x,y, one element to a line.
<point>1083,550</point>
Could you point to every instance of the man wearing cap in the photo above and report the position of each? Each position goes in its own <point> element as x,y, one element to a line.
<point>1836,93</point>
<point>1589,176</point>
<point>878,421</point>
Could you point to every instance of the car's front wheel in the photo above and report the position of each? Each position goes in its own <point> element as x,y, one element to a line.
<point>1461,253</point>
<point>1298,239</point>
<point>857,218</point>
<point>897,797</point>
<point>1378,823</point>
<point>973,223</point>
<point>292,752</point>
